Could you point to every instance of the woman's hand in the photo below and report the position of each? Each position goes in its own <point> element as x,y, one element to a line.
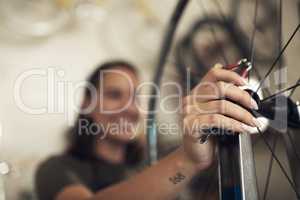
<point>208,106</point>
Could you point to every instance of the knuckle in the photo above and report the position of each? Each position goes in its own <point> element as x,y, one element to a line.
<point>220,85</point>
<point>222,106</point>
<point>212,119</point>
<point>220,88</point>
<point>219,106</point>
<point>224,87</point>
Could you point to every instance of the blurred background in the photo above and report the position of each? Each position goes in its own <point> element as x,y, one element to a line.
<point>67,39</point>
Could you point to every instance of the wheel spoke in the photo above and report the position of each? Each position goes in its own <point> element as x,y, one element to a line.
<point>252,44</point>
<point>282,91</point>
<point>277,61</point>
<point>213,32</point>
<point>294,89</point>
<point>270,168</point>
<point>278,57</point>
<point>253,32</point>
<point>280,62</point>
<point>279,163</point>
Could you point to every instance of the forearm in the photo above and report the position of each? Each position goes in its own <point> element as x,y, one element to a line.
<point>161,181</point>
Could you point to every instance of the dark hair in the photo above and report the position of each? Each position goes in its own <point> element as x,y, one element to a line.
<point>82,144</point>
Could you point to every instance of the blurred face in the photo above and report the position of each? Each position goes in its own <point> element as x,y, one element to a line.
<point>116,109</point>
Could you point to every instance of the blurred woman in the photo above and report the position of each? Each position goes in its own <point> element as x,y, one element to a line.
<point>95,163</point>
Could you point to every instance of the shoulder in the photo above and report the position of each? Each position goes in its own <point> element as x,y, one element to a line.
<point>50,167</point>
<point>53,163</point>
<point>56,160</point>
<point>58,165</point>
<point>53,174</point>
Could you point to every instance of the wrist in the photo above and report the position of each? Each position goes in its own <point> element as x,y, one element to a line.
<point>201,155</point>
<point>188,162</point>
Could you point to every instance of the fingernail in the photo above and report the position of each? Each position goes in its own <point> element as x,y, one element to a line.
<point>218,65</point>
<point>253,104</point>
<point>249,129</point>
<point>256,122</point>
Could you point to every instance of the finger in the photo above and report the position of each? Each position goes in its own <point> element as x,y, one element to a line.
<point>193,125</point>
<point>219,74</point>
<point>223,107</point>
<point>223,90</point>
<point>237,95</point>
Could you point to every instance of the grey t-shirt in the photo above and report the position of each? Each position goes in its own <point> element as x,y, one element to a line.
<point>57,172</point>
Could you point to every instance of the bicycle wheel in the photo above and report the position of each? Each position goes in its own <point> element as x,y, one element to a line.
<point>229,41</point>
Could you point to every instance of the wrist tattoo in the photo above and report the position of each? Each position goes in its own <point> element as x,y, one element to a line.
<point>177,178</point>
